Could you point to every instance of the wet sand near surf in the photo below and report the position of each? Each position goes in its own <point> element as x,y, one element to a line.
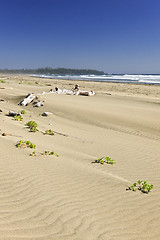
<point>70,197</point>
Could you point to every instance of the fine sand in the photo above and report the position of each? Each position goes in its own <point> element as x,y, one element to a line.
<point>69,197</point>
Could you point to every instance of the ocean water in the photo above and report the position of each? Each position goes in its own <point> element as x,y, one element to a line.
<point>121,78</point>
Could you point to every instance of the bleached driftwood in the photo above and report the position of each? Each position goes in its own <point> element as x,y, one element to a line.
<point>68,92</point>
<point>51,91</point>
<point>45,114</point>
<point>64,91</point>
<point>29,98</point>
<point>86,93</point>
<point>13,114</point>
<point>41,93</point>
<point>75,91</point>
<point>32,98</point>
<point>38,104</point>
<point>58,90</point>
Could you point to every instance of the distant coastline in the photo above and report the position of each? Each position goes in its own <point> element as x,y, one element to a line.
<point>48,70</point>
<point>86,75</point>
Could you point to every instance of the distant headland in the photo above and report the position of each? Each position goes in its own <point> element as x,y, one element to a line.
<point>48,70</point>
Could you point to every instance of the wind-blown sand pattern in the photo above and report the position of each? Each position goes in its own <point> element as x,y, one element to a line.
<point>71,198</point>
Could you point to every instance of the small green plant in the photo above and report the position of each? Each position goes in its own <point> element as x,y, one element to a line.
<point>32,154</point>
<point>49,153</point>
<point>44,153</point>
<point>23,112</point>
<point>32,125</point>
<point>109,160</point>
<point>25,82</point>
<point>142,186</point>
<point>25,144</point>
<point>100,160</point>
<point>49,132</point>
<point>2,81</point>
<point>103,160</point>
<point>18,118</point>
<point>133,187</point>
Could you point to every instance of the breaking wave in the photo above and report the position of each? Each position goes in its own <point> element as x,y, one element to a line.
<point>125,78</point>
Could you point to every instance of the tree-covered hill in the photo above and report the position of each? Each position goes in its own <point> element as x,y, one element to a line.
<point>48,70</point>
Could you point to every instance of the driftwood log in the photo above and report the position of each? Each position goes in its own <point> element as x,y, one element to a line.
<point>13,114</point>
<point>86,93</point>
<point>28,99</point>
<point>45,114</point>
<point>75,91</point>
<point>38,104</point>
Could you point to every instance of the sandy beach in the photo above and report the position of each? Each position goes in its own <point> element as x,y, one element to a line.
<point>70,197</point>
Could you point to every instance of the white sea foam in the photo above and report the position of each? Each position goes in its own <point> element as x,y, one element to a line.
<point>128,78</point>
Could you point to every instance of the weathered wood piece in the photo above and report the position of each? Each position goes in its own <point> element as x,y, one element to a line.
<point>38,104</point>
<point>74,91</point>
<point>45,114</point>
<point>13,114</point>
<point>86,93</point>
<point>29,98</point>
<point>58,90</point>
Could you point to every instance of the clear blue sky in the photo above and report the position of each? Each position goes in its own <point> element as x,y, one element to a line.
<point>116,36</point>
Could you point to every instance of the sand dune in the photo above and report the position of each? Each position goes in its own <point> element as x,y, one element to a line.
<point>69,197</point>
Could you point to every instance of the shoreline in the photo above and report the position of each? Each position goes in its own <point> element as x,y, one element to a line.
<point>99,81</point>
<point>90,80</point>
<point>129,89</point>
<point>104,80</point>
